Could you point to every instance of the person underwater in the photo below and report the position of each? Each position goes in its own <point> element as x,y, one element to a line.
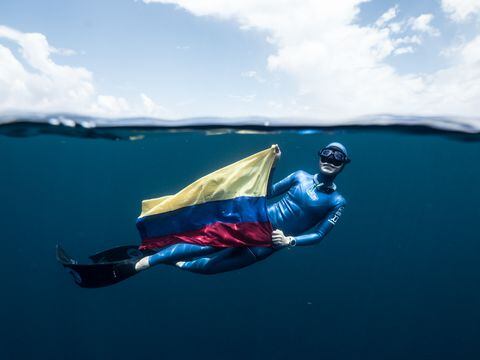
<point>307,209</point>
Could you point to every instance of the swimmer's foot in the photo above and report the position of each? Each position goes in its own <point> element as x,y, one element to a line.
<point>180,264</point>
<point>142,264</point>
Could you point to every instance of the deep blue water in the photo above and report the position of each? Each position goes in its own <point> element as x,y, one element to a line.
<point>398,278</point>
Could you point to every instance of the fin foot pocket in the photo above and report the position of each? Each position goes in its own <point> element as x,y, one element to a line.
<point>119,253</point>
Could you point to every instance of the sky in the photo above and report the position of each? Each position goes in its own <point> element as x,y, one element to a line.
<point>280,58</point>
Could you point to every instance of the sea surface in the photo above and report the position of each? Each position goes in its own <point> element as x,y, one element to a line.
<point>398,278</point>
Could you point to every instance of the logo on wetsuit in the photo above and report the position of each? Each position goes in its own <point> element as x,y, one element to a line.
<point>333,220</point>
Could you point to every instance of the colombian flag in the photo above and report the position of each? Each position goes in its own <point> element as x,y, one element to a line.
<point>226,208</point>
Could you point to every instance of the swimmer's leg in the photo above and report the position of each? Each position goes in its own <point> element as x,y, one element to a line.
<point>174,253</point>
<point>226,260</point>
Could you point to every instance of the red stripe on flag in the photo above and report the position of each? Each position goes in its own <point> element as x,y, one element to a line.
<point>218,235</point>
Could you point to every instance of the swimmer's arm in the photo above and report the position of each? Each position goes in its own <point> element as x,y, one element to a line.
<point>322,229</point>
<point>282,186</point>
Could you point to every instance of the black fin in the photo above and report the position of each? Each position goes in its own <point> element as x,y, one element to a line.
<point>97,275</point>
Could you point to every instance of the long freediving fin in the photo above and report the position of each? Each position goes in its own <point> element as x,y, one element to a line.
<point>97,274</point>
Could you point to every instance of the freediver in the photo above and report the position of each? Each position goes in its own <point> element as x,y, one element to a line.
<point>308,202</point>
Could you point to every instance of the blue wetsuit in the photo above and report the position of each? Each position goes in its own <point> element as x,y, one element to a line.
<point>308,201</point>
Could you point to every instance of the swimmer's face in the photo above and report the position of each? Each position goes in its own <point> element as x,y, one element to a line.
<point>328,168</point>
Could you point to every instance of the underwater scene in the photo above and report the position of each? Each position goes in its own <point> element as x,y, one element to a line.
<point>396,278</point>
<point>240,179</point>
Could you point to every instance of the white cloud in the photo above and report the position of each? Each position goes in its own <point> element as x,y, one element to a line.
<point>415,39</point>
<point>341,67</point>
<point>48,86</point>
<point>418,25</point>
<point>387,16</point>
<point>461,10</point>
<point>111,104</point>
<point>152,108</point>
<point>63,52</point>
<point>403,50</point>
<point>396,27</point>
<point>422,24</point>
<point>252,74</point>
<point>31,81</point>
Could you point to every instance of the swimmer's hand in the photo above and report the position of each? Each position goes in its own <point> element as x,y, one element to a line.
<point>280,240</point>
<point>278,154</point>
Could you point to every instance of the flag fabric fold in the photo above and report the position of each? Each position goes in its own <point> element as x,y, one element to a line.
<point>226,208</point>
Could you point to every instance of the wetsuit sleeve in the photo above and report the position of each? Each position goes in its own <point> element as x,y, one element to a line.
<point>322,229</point>
<point>282,186</point>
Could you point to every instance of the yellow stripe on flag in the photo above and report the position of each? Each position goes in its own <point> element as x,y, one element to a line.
<point>247,177</point>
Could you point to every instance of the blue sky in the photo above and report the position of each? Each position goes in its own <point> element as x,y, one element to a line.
<point>184,58</point>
